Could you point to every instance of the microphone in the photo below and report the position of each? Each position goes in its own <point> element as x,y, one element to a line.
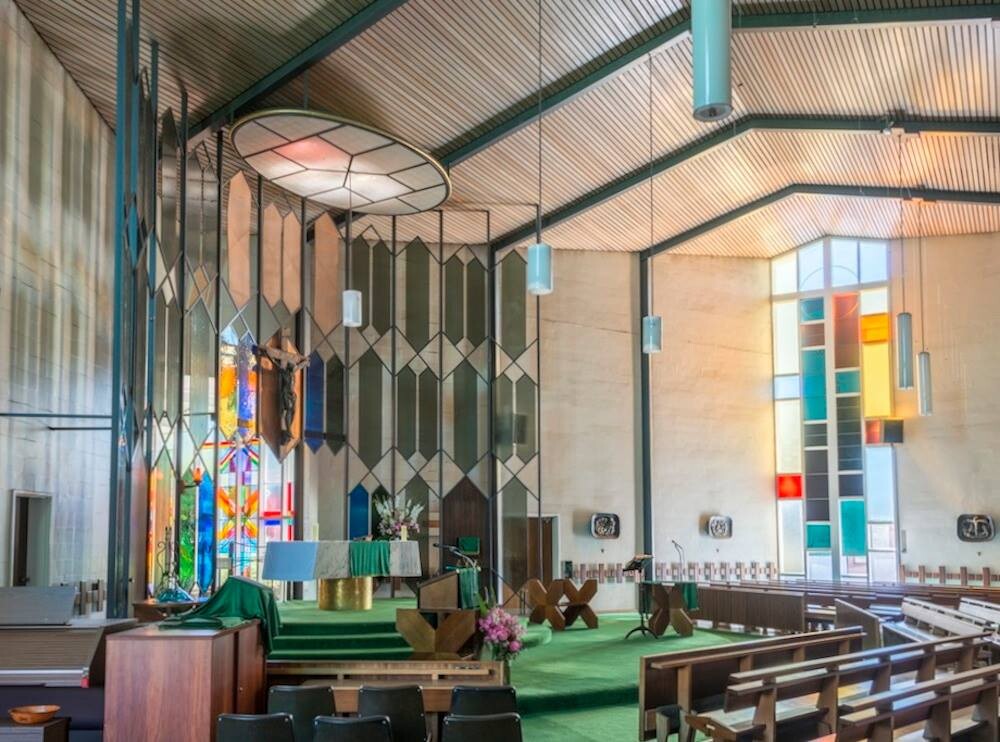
<point>454,551</point>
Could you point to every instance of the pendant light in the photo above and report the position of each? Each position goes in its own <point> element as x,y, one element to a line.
<point>652,324</point>
<point>352,307</point>
<point>539,278</point>
<point>904,320</point>
<point>925,399</point>
<point>711,39</point>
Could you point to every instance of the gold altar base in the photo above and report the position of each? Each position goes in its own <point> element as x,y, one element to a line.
<point>345,594</point>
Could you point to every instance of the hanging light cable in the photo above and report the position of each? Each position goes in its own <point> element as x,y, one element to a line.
<point>925,398</point>
<point>352,298</point>
<point>904,320</point>
<point>652,324</point>
<point>539,279</point>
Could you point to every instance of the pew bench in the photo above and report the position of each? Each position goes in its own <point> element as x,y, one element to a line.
<point>980,609</point>
<point>959,705</point>
<point>940,619</point>
<point>697,679</point>
<point>760,702</point>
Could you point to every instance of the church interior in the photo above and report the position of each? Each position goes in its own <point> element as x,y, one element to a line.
<point>499,370</point>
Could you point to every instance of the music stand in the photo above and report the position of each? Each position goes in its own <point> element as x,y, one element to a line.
<point>638,565</point>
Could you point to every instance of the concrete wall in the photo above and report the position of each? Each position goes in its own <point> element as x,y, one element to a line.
<point>950,462</point>
<point>55,298</point>
<point>713,422</point>
<point>589,428</point>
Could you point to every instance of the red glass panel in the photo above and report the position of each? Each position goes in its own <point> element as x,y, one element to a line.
<point>873,432</point>
<point>789,486</point>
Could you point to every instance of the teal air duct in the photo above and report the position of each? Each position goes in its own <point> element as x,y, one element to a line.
<point>711,32</point>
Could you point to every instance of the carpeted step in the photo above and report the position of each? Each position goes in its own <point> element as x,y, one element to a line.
<point>339,641</point>
<point>309,628</point>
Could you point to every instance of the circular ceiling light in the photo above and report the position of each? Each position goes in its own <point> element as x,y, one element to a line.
<point>340,163</point>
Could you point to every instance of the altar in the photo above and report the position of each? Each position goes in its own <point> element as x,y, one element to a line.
<point>344,570</point>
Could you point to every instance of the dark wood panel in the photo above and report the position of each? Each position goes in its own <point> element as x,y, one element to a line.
<point>465,512</point>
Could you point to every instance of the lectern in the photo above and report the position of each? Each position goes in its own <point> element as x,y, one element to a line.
<point>444,620</point>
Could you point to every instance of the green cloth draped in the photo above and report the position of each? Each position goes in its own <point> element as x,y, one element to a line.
<point>369,558</point>
<point>468,587</point>
<point>238,599</point>
<point>690,592</point>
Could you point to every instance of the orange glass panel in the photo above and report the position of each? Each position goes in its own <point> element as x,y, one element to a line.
<point>876,376</point>
<point>789,486</point>
<point>874,328</point>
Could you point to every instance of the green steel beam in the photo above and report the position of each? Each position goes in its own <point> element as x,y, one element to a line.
<point>311,55</point>
<point>819,189</point>
<point>640,175</point>
<point>525,111</point>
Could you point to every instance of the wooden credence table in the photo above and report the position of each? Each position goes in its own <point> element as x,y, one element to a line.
<point>562,603</point>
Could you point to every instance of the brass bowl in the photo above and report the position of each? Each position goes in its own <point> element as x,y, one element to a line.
<point>32,714</point>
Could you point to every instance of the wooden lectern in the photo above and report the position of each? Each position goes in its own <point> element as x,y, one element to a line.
<point>439,627</point>
<point>440,593</point>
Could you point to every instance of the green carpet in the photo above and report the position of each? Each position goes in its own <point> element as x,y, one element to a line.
<point>309,633</point>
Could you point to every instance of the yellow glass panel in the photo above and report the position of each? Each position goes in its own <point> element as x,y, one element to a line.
<point>877,379</point>
<point>874,328</point>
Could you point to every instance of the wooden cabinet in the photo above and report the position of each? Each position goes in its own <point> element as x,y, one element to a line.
<point>169,686</point>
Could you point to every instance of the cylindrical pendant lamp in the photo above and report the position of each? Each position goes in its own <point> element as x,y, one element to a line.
<point>711,35</point>
<point>352,308</point>
<point>925,396</point>
<point>904,349</point>
<point>652,334</point>
<point>540,269</point>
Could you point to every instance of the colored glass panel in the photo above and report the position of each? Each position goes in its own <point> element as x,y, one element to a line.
<point>788,435</point>
<point>874,328</point>
<point>406,412</point>
<point>315,380</point>
<point>876,379</point>
<point>814,384</point>
<point>811,310</point>
<point>206,533</point>
<point>818,536</point>
<point>811,274</point>
<point>817,509</point>
<point>381,287</point>
<point>852,485</point>
<point>849,455</point>
<point>853,528</point>
<point>818,485</point>
<point>845,329</point>
<point>873,432</point>
<point>813,335</point>
<point>843,262</point>
<point>875,301</point>
<point>416,328</point>
<point>874,261</point>
<point>848,382</point>
<point>335,404</point>
<point>370,378</point>
<point>476,302</point>
<point>466,416</point>
<point>880,484</point>
<point>789,486</point>
<point>246,398</point>
<point>786,387</point>
<point>513,315</point>
<point>454,299</point>
<point>786,337</point>
<point>228,381</point>
<point>358,524</point>
<point>427,396</point>
<point>814,434</point>
<point>790,536</point>
<point>504,405</point>
<point>784,274</point>
<point>525,392</point>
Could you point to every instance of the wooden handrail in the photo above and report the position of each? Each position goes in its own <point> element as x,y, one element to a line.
<point>750,651</point>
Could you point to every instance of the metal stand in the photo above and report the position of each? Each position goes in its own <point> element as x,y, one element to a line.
<point>643,627</point>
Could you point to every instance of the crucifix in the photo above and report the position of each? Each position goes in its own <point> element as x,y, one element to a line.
<point>286,364</point>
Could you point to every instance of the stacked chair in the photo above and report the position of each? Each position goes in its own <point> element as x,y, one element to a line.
<point>304,713</point>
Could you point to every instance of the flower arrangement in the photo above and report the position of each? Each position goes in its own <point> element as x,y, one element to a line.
<point>502,633</point>
<point>397,517</point>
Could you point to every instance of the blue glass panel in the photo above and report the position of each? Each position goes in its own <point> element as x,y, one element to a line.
<point>357,515</point>
<point>315,382</point>
<point>853,528</point>
<point>206,532</point>
<point>811,310</point>
<point>817,535</point>
<point>849,382</point>
<point>814,384</point>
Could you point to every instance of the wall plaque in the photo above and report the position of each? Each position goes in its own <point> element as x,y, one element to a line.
<point>605,525</point>
<point>719,526</point>
<point>976,527</point>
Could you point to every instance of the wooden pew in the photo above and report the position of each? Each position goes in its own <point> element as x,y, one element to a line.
<point>941,620</point>
<point>848,614</point>
<point>780,610</point>
<point>933,705</point>
<point>980,609</point>
<point>759,703</point>
<point>689,679</point>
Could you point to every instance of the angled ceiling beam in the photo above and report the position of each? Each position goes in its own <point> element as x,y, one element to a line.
<point>819,189</point>
<point>525,111</point>
<point>337,37</point>
<point>640,175</point>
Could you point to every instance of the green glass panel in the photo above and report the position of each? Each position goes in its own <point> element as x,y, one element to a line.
<point>466,384</point>
<point>814,384</point>
<point>525,418</point>
<point>476,309</point>
<point>370,371</point>
<point>454,297</point>
<point>360,278</point>
<point>504,402</point>
<point>817,535</point>
<point>853,528</point>
<point>428,401</point>
<point>513,318</point>
<point>849,382</point>
<point>335,403</point>
<point>187,528</point>
<point>514,499</point>
<point>406,412</point>
<point>811,309</point>
<point>381,289</point>
<point>416,329</point>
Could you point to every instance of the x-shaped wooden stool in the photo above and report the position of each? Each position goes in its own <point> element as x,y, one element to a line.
<point>562,603</point>
<point>669,611</point>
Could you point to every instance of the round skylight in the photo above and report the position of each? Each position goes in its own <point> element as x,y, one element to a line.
<point>340,163</point>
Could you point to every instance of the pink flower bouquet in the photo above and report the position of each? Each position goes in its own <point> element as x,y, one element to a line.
<point>502,633</point>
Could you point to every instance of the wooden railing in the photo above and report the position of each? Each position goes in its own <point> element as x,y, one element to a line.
<point>942,575</point>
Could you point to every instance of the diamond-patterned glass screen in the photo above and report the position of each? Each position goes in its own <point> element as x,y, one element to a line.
<point>340,163</point>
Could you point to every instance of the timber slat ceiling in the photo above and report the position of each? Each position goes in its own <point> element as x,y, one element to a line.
<point>440,72</point>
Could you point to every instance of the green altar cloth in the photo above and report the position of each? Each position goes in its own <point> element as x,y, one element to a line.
<point>238,599</point>
<point>468,587</point>
<point>369,558</point>
<point>690,592</point>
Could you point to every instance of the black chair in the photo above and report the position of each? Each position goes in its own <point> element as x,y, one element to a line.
<point>471,700</point>
<point>403,704</point>
<point>254,728</point>
<point>355,729</point>
<point>303,703</point>
<point>492,728</point>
